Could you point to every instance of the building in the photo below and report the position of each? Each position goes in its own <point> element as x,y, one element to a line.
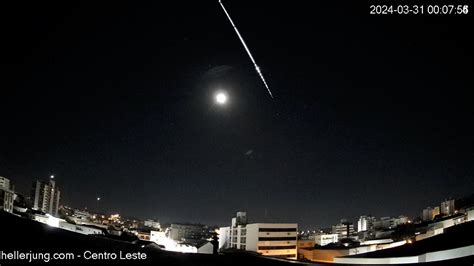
<point>447,207</point>
<point>440,225</point>
<point>153,224</point>
<point>324,239</point>
<point>402,219</point>
<point>304,244</point>
<point>46,196</point>
<point>4,182</point>
<point>6,199</point>
<point>81,216</point>
<point>7,196</point>
<point>240,218</point>
<point>365,223</point>
<point>344,229</point>
<point>183,232</point>
<point>224,237</point>
<point>205,248</point>
<point>269,239</point>
<point>386,223</point>
<point>430,213</point>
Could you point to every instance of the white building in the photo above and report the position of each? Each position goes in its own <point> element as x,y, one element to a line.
<point>63,224</point>
<point>429,213</point>
<point>447,207</point>
<point>153,224</point>
<point>390,222</point>
<point>46,196</point>
<point>81,229</point>
<point>438,227</point>
<point>401,220</point>
<point>224,237</point>
<point>7,196</point>
<point>365,223</point>
<point>268,239</point>
<point>4,183</point>
<point>470,214</point>
<point>324,239</point>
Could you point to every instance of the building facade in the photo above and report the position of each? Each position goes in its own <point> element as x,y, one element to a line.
<point>429,213</point>
<point>366,222</point>
<point>153,224</point>
<point>46,197</point>
<point>447,207</point>
<point>344,229</point>
<point>268,239</point>
<point>183,232</point>
<point>7,196</point>
<point>324,239</point>
<point>4,183</point>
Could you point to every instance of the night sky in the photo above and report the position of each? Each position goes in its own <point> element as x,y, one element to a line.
<point>371,115</point>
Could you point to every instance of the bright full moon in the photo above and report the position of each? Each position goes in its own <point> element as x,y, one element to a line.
<point>221,98</point>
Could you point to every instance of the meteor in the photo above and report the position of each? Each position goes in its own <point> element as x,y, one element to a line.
<point>257,68</point>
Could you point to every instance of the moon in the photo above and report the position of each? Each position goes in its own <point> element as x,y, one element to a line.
<point>221,98</point>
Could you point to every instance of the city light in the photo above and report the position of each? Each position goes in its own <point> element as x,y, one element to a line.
<point>52,221</point>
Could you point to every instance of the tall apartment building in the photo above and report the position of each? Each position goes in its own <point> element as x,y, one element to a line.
<point>344,229</point>
<point>447,207</point>
<point>46,196</point>
<point>4,182</point>
<point>6,195</point>
<point>268,239</point>
<point>365,223</point>
<point>429,213</point>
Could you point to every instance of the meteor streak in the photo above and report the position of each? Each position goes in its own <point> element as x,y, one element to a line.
<point>257,68</point>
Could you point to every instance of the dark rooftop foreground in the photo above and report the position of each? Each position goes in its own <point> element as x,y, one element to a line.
<point>23,235</point>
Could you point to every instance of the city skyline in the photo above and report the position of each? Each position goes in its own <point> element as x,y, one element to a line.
<point>421,214</point>
<point>116,102</point>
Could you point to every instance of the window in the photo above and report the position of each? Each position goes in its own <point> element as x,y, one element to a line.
<point>277,229</point>
<point>276,238</point>
<point>276,247</point>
